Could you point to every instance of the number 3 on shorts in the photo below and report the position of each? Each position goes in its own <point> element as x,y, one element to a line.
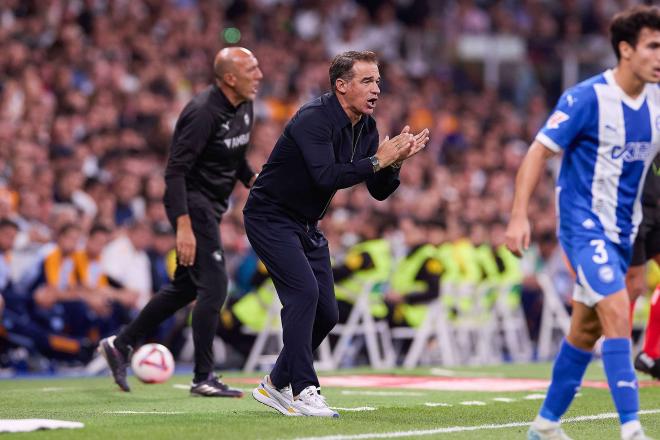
<point>600,256</point>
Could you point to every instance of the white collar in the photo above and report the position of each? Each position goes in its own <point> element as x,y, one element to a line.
<point>633,103</point>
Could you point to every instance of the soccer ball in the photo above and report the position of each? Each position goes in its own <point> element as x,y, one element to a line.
<point>152,363</point>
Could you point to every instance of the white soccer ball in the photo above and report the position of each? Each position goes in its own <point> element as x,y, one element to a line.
<point>152,363</point>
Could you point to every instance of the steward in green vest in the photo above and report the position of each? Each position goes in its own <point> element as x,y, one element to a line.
<point>415,283</point>
<point>367,262</point>
<point>249,310</point>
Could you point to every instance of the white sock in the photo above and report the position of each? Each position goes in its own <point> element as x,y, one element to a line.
<point>543,423</point>
<point>629,428</point>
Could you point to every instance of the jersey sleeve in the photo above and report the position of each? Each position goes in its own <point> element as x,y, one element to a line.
<point>568,119</point>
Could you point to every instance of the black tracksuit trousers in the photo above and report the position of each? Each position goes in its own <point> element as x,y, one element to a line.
<point>205,281</point>
<point>297,257</point>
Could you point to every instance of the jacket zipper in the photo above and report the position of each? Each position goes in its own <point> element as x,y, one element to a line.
<point>354,142</point>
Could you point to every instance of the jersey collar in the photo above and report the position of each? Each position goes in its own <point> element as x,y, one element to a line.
<point>633,103</point>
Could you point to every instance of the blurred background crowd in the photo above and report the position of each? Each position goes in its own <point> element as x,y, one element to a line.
<point>90,91</point>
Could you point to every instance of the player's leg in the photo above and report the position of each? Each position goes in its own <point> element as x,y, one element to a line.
<point>567,372</point>
<point>601,271</point>
<point>617,352</point>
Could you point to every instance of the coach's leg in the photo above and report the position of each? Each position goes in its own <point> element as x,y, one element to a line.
<point>327,313</point>
<point>279,246</point>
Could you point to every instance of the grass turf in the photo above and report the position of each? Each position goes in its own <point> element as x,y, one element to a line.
<point>99,405</point>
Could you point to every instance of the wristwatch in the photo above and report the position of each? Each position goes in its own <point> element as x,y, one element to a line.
<point>375,163</point>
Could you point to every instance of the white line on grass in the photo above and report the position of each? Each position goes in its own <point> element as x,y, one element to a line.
<point>473,403</point>
<point>463,428</point>
<point>180,386</point>
<point>434,404</point>
<point>145,412</point>
<point>534,397</point>
<point>504,399</point>
<point>358,408</point>
<point>380,393</point>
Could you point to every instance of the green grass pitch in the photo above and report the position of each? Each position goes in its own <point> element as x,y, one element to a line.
<point>166,411</point>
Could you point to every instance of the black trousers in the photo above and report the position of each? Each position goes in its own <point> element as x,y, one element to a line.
<point>205,281</point>
<point>297,257</point>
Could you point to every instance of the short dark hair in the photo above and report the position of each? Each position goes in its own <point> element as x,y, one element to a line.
<point>627,25</point>
<point>99,228</point>
<point>342,65</point>
<point>8,223</point>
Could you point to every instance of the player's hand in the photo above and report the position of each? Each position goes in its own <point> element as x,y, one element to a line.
<point>185,241</point>
<point>517,235</point>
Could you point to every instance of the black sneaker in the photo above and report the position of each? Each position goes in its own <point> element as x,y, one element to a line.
<point>116,360</point>
<point>213,387</point>
<point>646,364</point>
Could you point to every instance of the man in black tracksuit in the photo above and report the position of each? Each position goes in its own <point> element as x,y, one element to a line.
<point>329,144</point>
<point>207,157</point>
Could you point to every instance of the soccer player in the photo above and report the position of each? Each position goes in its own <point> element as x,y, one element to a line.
<point>608,128</point>
<point>646,247</point>
<point>330,143</point>
<point>207,157</point>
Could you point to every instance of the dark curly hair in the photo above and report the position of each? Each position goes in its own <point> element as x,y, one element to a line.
<point>627,25</point>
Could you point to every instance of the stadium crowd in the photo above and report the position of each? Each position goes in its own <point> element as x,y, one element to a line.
<point>91,90</point>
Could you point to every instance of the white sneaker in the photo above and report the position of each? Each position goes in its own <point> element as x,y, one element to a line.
<point>311,403</point>
<point>543,429</point>
<point>281,400</point>
<point>633,431</point>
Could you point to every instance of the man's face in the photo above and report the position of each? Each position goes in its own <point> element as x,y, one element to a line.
<point>96,242</point>
<point>361,92</point>
<point>246,76</point>
<point>7,237</point>
<point>68,241</point>
<point>645,57</point>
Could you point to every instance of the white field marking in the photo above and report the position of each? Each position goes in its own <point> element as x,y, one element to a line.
<point>145,412</point>
<point>452,373</point>
<point>473,403</point>
<point>358,408</point>
<point>504,399</point>
<point>434,404</point>
<point>52,389</point>
<point>380,393</point>
<point>451,429</point>
<point>534,397</point>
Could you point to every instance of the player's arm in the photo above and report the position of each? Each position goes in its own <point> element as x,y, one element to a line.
<point>518,231</point>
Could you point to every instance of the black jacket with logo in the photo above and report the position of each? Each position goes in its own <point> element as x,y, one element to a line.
<point>319,153</point>
<point>207,155</point>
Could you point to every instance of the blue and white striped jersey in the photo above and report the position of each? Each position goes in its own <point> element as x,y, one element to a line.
<point>609,141</point>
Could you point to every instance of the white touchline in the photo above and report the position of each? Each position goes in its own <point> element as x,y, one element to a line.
<point>359,408</point>
<point>473,403</point>
<point>381,393</point>
<point>433,404</point>
<point>504,399</point>
<point>145,412</point>
<point>464,428</point>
